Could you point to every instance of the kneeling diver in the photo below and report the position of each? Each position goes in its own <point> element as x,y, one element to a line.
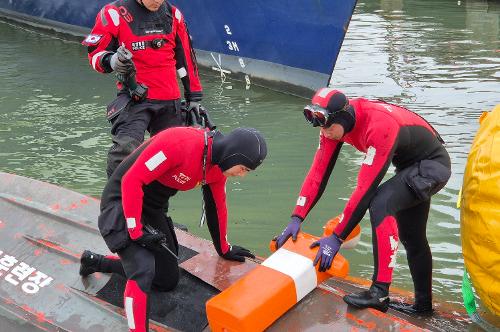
<point>136,197</point>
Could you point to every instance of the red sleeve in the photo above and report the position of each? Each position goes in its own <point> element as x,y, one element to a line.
<point>318,175</point>
<point>103,39</point>
<point>214,196</point>
<point>185,58</point>
<point>381,142</point>
<point>156,159</point>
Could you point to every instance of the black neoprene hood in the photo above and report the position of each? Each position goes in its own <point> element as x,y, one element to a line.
<point>242,146</point>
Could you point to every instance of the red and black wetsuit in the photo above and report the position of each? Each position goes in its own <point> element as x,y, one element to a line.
<point>127,22</point>
<point>161,47</point>
<point>138,192</point>
<point>386,133</point>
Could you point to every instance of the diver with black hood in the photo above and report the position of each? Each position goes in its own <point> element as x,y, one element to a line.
<point>136,197</point>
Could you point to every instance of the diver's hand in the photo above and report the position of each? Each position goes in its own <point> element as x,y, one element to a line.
<point>292,229</point>
<point>237,253</point>
<point>121,66</point>
<point>151,241</point>
<point>193,113</point>
<point>328,248</point>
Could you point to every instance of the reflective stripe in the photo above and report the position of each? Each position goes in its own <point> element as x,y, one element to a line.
<point>178,15</point>
<point>324,92</point>
<point>96,57</point>
<point>131,223</point>
<point>182,72</point>
<point>296,266</point>
<point>115,17</point>
<point>155,161</point>
<point>129,311</point>
<point>370,155</point>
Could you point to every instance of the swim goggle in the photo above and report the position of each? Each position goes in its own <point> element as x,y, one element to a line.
<point>316,115</point>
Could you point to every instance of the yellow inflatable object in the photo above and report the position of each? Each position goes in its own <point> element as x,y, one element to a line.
<point>480,211</point>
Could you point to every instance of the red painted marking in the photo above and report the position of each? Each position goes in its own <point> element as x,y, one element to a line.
<point>37,252</point>
<point>64,261</point>
<point>55,207</point>
<point>368,325</point>
<point>98,276</point>
<point>2,224</point>
<point>40,316</point>
<point>401,321</point>
<point>84,201</point>
<point>29,199</point>
<point>62,287</point>
<point>18,235</point>
<point>46,231</point>
<point>73,206</point>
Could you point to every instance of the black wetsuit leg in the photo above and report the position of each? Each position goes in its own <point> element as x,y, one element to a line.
<point>412,224</point>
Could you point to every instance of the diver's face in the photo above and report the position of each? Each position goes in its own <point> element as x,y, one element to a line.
<point>335,131</point>
<point>152,5</point>
<point>237,170</point>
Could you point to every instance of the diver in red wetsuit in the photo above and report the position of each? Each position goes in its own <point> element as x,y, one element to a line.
<point>156,34</point>
<point>137,194</point>
<point>398,207</point>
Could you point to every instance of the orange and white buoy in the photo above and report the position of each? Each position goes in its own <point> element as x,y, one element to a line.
<point>351,241</point>
<point>259,298</point>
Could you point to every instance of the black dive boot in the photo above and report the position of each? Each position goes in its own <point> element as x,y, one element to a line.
<point>90,262</point>
<point>377,297</point>
<point>421,307</point>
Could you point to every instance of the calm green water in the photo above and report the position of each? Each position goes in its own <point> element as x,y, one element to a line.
<point>439,58</point>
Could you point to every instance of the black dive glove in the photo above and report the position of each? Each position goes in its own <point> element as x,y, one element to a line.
<point>237,253</point>
<point>151,241</point>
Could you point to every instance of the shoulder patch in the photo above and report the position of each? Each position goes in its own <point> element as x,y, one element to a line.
<point>155,161</point>
<point>178,15</point>
<point>115,17</point>
<point>92,39</point>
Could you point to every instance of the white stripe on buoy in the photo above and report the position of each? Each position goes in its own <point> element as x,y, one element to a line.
<point>296,266</point>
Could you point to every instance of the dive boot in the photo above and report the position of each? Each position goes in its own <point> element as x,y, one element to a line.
<point>90,263</point>
<point>417,309</point>
<point>377,297</point>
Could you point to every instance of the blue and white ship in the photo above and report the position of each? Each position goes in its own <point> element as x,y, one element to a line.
<point>291,45</point>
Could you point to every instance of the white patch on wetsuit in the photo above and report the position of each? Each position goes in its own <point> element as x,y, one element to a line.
<point>388,108</point>
<point>341,218</point>
<point>178,15</point>
<point>394,249</point>
<point>131,223</point>
<point>115,17</point>
<point>370,155</point>
<point>182,72</point>
<point>96,57</point>
<point>324,92</point>
<point>129,311</point>
<point>155,161</point>
<point>92,39</point>
<point>301,201</point>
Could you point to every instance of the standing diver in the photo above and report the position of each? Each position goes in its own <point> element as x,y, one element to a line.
<point>147,44</point>
<point>399,207</point>
<point>137,194</point>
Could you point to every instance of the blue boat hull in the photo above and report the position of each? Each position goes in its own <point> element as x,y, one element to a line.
<point>294,41</point>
